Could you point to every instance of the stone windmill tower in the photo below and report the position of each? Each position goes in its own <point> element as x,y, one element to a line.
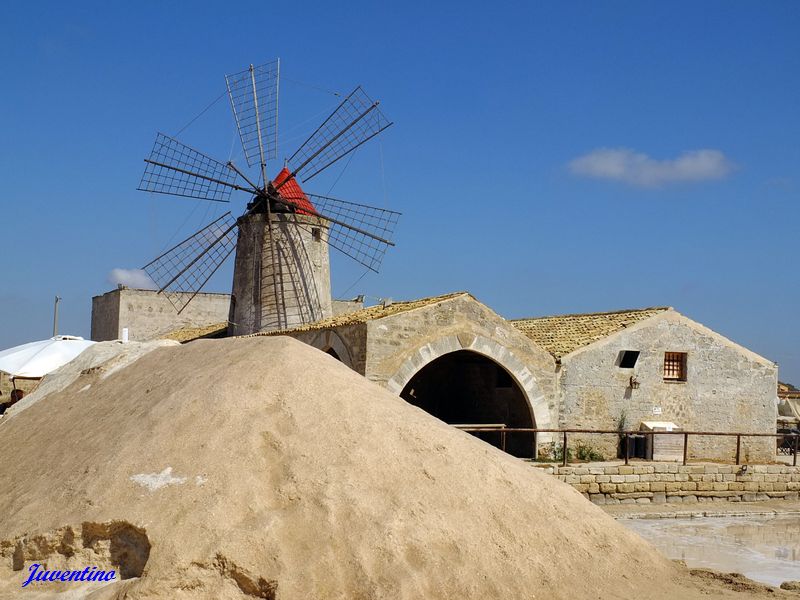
<point>282,269</point>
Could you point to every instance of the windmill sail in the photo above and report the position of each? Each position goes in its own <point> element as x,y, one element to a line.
<point>182,271</point>
<point>356,120</point>
<point>254,100</point>
<point>359,231</point>
<point>175,168</point>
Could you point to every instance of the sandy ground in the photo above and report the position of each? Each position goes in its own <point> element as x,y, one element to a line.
<point>262,468</point>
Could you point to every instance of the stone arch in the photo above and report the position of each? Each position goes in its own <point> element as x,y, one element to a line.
<point>331,342</point>
<point>525,379</point>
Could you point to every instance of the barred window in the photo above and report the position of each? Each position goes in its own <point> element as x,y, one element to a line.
<point>675,366</point>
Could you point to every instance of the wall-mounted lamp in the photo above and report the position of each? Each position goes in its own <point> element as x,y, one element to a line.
<point>633,383</point>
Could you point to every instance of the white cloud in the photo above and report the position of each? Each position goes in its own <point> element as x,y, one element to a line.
<point>133,278</point>
<point>637,168</point>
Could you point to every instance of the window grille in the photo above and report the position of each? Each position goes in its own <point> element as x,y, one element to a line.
<point>675,366</point>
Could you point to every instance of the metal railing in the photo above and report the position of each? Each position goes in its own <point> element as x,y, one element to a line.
<point>626,435</point>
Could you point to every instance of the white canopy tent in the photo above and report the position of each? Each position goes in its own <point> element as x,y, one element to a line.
<point>36,359</point>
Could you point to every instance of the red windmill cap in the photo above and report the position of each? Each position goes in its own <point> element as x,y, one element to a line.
<point>293,193</point>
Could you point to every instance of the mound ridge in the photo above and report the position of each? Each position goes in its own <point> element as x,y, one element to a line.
<point>263,468</point>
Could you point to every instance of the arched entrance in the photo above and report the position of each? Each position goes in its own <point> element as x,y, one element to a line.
<point>465,387</point>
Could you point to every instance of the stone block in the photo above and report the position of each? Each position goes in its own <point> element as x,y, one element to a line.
<point>641,487</point>
<point>602,478</point>
<point>586,478</point>
<point>608,488</point>
<point>704,486</point>
<point>617,478</point>
<point>625,470</point>
<point>611,470</point>
<point>643,501</point>
<point>690,498</point>
<point>625,487</point>
<point>594,488</point>
<point>672,487</point>
<point>598,498</point>
<point>631,478</point>
<point>711,469</point>
<point>674,499</point>
<point>659,486</point>
<point>720,486</point>
<point>659,498</point>
<point>736,486</point>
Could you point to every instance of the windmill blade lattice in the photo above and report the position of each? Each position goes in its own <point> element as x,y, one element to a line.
<point>175,168</point>
<point>359,231</point>
<point>356,120</point>
<point>254,101</point>
<point>187,266</point>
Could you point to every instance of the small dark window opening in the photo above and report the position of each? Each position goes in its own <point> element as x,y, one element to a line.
<point>316,233</point>
<point>503,379</point>
<point>628,359</point>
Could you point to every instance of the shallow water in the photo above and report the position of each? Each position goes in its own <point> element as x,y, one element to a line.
<point>765,549</point>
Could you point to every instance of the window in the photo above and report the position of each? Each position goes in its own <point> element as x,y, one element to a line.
<point>316,233</point>
<point>628,358</point>
<point>675,366</point>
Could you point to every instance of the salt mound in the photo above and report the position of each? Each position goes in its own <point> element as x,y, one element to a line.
<point>102,356</point>
<point>264,468</point>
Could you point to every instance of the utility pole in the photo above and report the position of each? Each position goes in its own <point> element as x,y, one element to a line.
<point>55,316</point>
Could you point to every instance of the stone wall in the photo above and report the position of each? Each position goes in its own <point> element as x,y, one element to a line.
<point>398,346</point>
<point>286,290</point>
<point>727,388</point>
<point>148,314</point>
<point>669,482</point>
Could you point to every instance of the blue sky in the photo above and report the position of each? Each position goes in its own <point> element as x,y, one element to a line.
<point>547,157</point>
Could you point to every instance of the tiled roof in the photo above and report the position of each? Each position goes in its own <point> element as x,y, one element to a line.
<point>187,334</point>
<point>293,193</point>
<point>379,311</point>
<point>562,334</point>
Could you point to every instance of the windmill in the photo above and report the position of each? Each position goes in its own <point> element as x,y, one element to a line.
<point>281,273</point>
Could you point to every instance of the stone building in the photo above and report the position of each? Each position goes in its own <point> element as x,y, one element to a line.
<point>457,359</point>
<point>148,315</point>
<point>629,367</point>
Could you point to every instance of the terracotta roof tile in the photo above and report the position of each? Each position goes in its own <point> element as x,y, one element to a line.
<point>562,334</point>
<point>187,334</point>
<point>371,313</point>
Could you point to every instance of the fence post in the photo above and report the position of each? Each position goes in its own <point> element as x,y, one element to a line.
<point>627,448</point>
<point>685,447</point>
<point>794,459</point>
<point>564,451</point>
<point>503,440</point>
<point>738,447</point>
